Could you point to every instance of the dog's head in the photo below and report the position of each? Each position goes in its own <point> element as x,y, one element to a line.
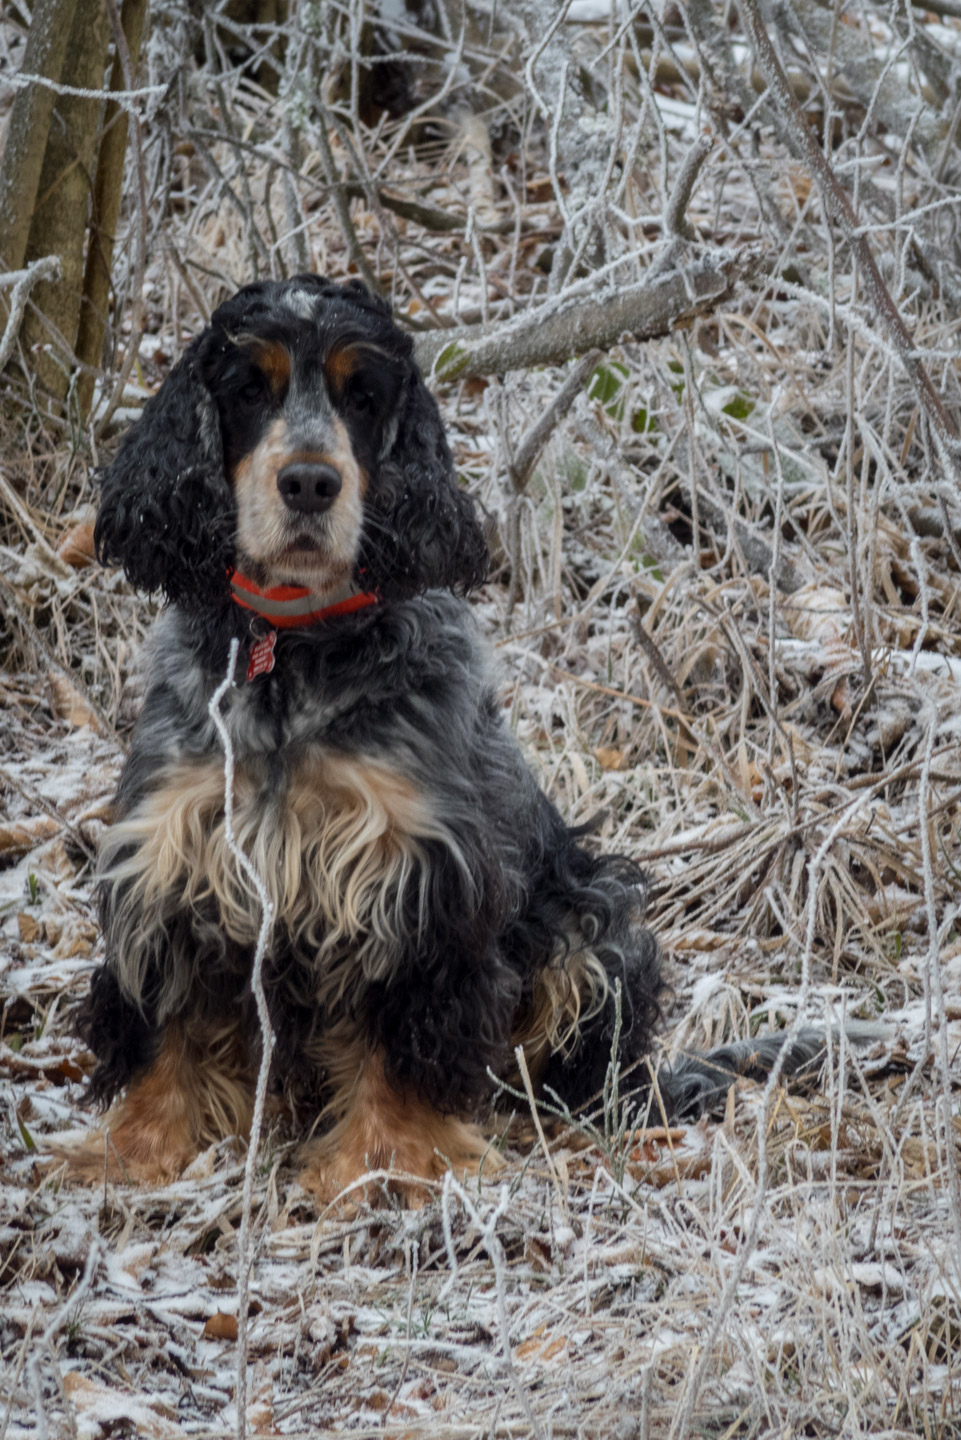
<point>294,441</point>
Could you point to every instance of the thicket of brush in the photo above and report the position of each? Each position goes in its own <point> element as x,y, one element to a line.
<point>725,594</point>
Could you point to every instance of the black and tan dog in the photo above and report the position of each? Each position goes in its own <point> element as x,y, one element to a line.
<point>291,487</point>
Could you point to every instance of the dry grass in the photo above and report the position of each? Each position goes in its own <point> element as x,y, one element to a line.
<point>782,753</point>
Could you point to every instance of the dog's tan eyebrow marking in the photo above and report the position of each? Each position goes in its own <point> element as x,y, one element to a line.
<point>273,360</point>
<point>344,359</point>
<point>342,362</point>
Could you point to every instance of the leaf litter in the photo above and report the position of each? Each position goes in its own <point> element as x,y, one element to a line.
<point>781,753</point>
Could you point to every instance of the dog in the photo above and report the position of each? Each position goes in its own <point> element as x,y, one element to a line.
<point>290,487</point>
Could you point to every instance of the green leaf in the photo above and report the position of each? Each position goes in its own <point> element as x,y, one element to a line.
<point>739,408</point>
<point>25,1135</point>
<point>605,386</point>
<point>451,361</point>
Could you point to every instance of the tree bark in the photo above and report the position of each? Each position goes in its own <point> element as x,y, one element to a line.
<point>30,114</point>
<point>108,188</point>
<point>59,220</point>
<point>557,331</point>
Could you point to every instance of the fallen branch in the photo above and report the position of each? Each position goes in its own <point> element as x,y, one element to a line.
<point>563,328</point>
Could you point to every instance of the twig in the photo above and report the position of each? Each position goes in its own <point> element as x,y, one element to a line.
<point>23,281</point>
<point>495,1250</point>
<point>74,1301</point>
<point>13,1379</point>
<point>934,993</point>
<point>675,218</point>
<point>532,443</point>
<point>707,1358</point>
<point>36,637</point>
<point>555,332</point>
<point>266,1033</point>
<point>140,249</point>
<point>800,139</point>
<point>521,1059</point>
<point>341,204</point>
<point>126,98</point>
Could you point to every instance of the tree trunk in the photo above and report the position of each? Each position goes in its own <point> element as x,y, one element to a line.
<point>105,213</point>
<point>63,194</point>
<point>30,114</point>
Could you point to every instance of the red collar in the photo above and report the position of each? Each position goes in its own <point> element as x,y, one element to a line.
<point>289,606</point>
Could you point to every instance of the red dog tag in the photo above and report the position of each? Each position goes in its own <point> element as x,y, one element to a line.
<point>261,660</point>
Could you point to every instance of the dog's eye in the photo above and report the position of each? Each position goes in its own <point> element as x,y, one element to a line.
<point>359,398</point>
<point>252,391</point>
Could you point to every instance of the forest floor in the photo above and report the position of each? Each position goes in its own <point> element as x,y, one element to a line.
<point>726,611</point>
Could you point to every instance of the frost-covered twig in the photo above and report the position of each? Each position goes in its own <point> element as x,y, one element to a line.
<point>800,138</point>
<point>675,218</point>
<point>140,248</point>
<point>553,333</point>
<point>521,1059</point>
<point>125,98</point>
<point>933,990</point>
<point>533,441</point>
<point>23,282</point>
<point>495,1250</point>
<point>73,1302</point>
<point>266,1033</point>
<point>707,1358</point>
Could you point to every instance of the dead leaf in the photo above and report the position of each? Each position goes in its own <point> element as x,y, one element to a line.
<point>75,938</point>
<point>220,1327</point>
<point>610,758</point>
<point>29,927</point>
<point>58,1069</point>
<point>105,1404</point>
<point>67,702</point>
<point>21,836</point>
<point>76,545</point>
<point>539,1347</point>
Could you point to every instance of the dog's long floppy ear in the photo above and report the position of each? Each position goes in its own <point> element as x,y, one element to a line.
<point>422,531</point>
<point>166,507</point>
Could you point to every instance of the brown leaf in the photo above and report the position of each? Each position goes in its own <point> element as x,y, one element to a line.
<point>29,927</point>
<point>221,1327</point>
<point>67,702</point>
<point>21,836</point>
<point>136,1413</point>
<point>76,545</point>
<point>610,758</point>
<point>540,1347</point>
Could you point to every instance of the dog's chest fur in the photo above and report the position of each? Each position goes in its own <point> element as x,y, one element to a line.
<point>332,822</point>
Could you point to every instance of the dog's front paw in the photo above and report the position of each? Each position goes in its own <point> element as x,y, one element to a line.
<point>403,1136</point>
<point>125,1153</point>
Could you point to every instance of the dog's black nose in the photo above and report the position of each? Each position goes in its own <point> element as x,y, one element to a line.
<point>309,487</point>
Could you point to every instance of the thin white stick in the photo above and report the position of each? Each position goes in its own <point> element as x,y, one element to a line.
<point>266,1031</point>
<point>46,1340</point>
<point>23,281</point>
<point>495,1250</point>
<point>934,993</point>
<point>124,98</point>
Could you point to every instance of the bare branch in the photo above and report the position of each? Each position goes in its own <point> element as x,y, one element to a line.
<point>675,219</point>
<point>532,443</point>
<point>554,333</point>
<point>800,138</point>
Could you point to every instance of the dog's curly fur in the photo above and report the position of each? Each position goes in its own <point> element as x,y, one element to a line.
<point>432,909</point>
